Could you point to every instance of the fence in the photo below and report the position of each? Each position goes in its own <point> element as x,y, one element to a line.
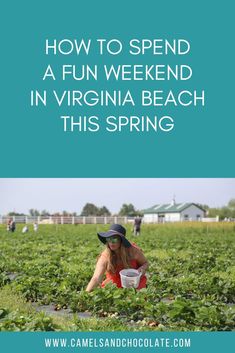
<point>67,220</point>
<point>84,220</point>
<point>208,219</point>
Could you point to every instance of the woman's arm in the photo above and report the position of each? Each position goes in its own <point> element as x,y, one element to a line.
<point>98,274</point>
<point>141,260</point>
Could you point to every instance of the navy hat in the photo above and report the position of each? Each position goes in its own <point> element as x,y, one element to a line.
<point>115,229</point>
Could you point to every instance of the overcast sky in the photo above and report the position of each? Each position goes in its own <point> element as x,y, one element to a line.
<point>20,195</point>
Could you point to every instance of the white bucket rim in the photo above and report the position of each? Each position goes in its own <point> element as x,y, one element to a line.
<point>122,272</point>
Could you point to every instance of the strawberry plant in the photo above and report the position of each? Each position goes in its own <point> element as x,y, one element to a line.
<point>191,277</point>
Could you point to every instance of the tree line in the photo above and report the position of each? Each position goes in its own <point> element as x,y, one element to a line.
<point>90,209</point>
<point>227,211</point>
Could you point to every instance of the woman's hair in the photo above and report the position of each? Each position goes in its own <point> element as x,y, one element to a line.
<point>124,257</point>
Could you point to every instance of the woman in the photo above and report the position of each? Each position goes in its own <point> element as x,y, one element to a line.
<point>119,254</point>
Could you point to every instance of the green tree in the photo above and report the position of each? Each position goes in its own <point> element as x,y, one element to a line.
<point>10,214</point>
<point>45,213</point>
<point>90,210</point>
<point>128,210</point>
<point>103,211</point>
<point>222,212</point>
<point>231,204</point>
<point>203,206</point>
<point>33,212</point>
<point>213,212</point>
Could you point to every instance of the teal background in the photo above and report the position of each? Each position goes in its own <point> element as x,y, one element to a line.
<point>32,141</point>
<point>202,342</point>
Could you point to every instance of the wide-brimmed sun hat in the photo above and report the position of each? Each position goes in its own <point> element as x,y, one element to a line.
<point>115,229</point>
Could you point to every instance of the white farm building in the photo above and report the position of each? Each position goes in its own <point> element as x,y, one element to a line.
<point>173,212</point>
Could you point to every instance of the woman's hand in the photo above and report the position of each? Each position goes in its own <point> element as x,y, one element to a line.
<point>142,269</point>
<point>94,282</point>
<point>141,260</point>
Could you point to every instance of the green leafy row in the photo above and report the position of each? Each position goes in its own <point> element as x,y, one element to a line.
<point>191,278</point>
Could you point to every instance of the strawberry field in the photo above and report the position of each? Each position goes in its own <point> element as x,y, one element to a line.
<point>191,279</point>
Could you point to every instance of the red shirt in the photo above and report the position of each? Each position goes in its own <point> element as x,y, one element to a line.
<point>116,279</point>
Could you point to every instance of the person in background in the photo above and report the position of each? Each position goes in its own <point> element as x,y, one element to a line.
<point>25,230</point>
<point>35,226</point>
<point>118,255</point>
<point>9,225</point>
<point>137,225</point>
<point>12,226</point>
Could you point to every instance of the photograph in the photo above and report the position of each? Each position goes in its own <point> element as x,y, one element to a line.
<point>117,254</point>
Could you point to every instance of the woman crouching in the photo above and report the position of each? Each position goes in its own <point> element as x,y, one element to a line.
<point>118,255</point>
